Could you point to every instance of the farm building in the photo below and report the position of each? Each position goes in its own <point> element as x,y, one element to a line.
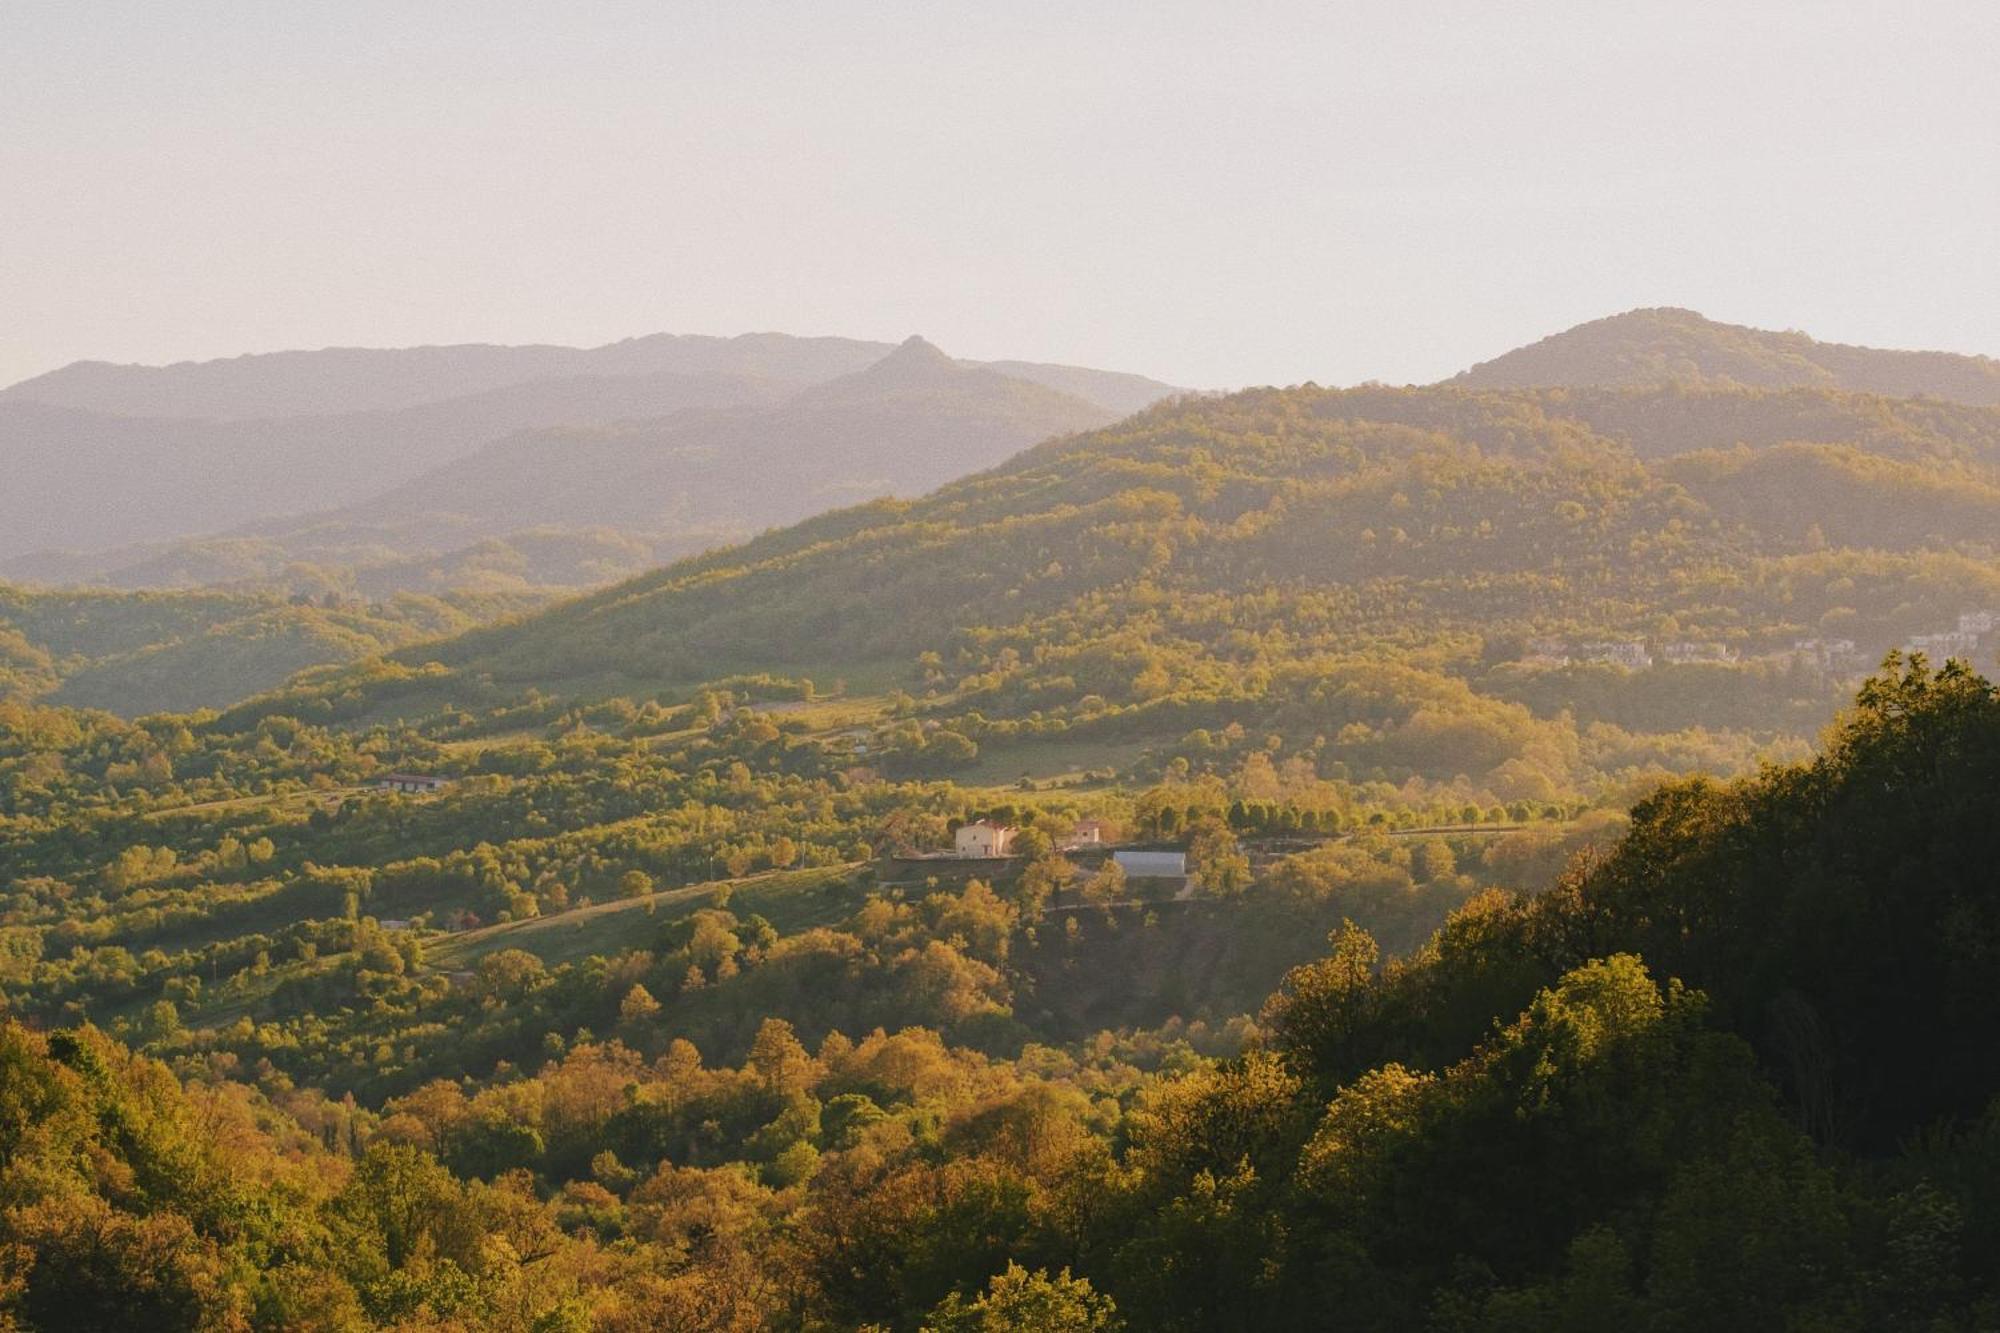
<point>983,838</point>
<point>1088,833</point>
<point>1152,865</point>
<point>1159,869</point>
<point>411,782</point>
<point>1628,653</point>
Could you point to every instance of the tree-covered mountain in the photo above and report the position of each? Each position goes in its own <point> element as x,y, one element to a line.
<point>661,1006</point>
<point>431,554</point>
<point>1649,347</point>
<point>1215,544</point>
<point>138,653</point>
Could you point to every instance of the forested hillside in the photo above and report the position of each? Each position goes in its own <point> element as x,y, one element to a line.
<point>432,554</point>
<point>1529,590</point>
<point>1726,1073</point>
<point>136,653</point>
<point>1648,347</point>
<point>1455,511</point>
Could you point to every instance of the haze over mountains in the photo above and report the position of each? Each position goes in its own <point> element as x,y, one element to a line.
<point>426,517</point>
<point>912,421</point>
<point>504,468</point>
<point>231,446</point>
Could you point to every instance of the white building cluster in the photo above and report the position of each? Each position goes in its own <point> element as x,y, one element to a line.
<point>1975,629</point>
<point>1632,654</point>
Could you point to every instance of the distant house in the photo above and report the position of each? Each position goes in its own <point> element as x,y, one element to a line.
<point>983,838</point>
<point>1628,653</point>
<point>1546,653</point>
<point>1687,650</point>
<point>411,782</point>
<point>1088,833</point>
<point>1152,865</point>
<point>1829,655</point>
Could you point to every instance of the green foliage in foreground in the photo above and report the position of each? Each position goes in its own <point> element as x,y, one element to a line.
<point>1735,1073</point>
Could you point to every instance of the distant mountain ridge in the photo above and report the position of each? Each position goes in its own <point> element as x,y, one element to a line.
<point>592,478</point>
<point>341,380</point>
<point>228,447</point>
<point>1653,346</point>
<point>1709,485</point>
<point>910,422</point>
<point>81,479</point>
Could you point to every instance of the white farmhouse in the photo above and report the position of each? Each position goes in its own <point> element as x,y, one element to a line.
<point>983,838</point>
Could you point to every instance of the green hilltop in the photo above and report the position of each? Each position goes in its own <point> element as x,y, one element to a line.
<point>156,652</point>
<point>1642,347</point>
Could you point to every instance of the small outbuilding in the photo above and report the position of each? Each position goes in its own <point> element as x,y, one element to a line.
<point>1152,865</point>
<point>411,783</point>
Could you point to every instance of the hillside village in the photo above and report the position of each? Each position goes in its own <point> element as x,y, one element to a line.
<point>1839,658</point>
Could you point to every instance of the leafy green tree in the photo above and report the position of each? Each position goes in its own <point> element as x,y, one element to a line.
<point>1018,1301</point>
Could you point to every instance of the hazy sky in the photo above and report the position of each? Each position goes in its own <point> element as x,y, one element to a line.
<point>1212,193</point>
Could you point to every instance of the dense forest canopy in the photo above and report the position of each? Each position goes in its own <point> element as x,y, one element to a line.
<point>1441,511</point>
